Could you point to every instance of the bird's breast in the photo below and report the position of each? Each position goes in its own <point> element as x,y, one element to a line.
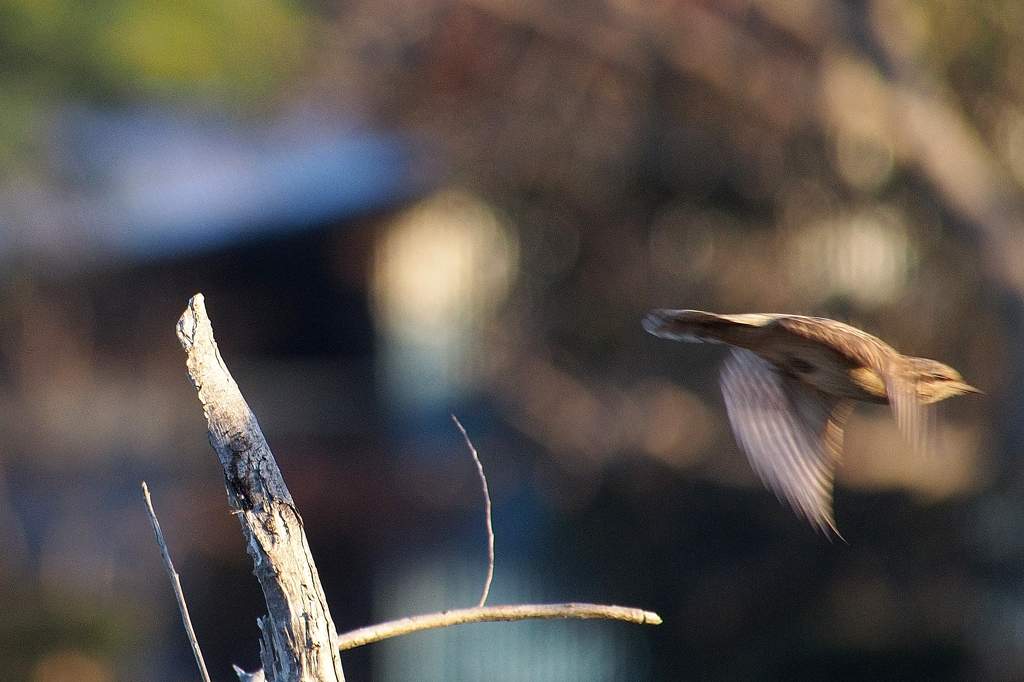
<point>868,382</point>
<point>830,373</point>
<point>856,383</point>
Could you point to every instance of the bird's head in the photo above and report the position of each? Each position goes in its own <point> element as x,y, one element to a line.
<point>936,381</point>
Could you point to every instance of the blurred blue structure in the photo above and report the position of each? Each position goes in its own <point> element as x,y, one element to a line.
<point>143,184</point>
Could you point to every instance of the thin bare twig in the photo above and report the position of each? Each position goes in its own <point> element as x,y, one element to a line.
<point>487,512</point>
<point>405,626</point>
<point>481,613</point>
<point>176,584</point>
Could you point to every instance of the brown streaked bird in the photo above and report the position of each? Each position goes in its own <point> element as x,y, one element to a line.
<point>789,385</point>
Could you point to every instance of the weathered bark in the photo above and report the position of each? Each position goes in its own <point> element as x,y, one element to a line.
<point>299,641</point>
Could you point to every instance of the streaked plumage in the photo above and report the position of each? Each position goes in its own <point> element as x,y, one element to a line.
<point>789,383</point>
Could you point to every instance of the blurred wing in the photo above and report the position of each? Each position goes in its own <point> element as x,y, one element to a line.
<point>914,419</point>
<point>792,434</point>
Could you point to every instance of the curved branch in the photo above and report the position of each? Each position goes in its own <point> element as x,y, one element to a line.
<point>487,512</point>
<point>486,614</point>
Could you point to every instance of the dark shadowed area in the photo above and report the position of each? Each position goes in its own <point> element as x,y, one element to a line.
<point>402,210</point>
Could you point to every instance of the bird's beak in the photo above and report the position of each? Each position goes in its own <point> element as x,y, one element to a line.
<point>964,387</point>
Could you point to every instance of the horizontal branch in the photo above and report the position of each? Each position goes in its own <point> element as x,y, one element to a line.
<point>486,614</point>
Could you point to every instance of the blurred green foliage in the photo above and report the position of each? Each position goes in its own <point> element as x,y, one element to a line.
<point>228,55</point>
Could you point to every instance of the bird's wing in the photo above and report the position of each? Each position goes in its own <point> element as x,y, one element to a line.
<point>703,327</point>
<point>792,434</point>
<point>913,418</point>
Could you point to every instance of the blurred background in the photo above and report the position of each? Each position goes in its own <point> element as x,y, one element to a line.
<point>405,209</point>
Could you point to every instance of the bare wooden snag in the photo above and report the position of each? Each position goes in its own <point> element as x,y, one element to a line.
<point>299,641</point>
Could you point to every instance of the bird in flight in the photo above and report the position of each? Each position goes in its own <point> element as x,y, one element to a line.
<point>789,384</point>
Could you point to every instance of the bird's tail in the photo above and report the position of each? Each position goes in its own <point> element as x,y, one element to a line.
<point>700,327</point>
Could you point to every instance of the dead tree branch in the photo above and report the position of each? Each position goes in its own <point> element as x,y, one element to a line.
<point>299,641</point>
